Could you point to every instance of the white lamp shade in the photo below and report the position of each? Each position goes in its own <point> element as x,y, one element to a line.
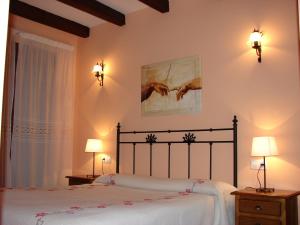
<point>264,146</point>
<point>93,145</point>
<point>97,68</point>
<point>256,37</point>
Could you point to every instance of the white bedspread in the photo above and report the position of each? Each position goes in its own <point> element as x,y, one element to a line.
<point>103,204</point>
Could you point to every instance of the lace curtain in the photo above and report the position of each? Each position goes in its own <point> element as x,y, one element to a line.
<point>38,113</point>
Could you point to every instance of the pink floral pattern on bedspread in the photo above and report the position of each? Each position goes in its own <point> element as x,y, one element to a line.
<point>40,216</point>
<point>97,203</point>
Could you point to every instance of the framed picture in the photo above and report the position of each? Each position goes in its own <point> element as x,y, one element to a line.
<point>171,87</point>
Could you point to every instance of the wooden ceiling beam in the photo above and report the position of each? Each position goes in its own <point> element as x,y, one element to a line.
<point>41,16</point>
<point>97,9</point>
<point>159,5</point>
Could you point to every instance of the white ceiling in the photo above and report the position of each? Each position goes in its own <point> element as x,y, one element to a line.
<point>68,12</point>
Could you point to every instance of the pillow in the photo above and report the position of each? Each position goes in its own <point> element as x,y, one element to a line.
<point>221,190</point>
<point>145,182</point>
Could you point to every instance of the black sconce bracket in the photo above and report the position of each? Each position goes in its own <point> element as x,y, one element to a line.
<point>256,43</point>
<point>257,47</point>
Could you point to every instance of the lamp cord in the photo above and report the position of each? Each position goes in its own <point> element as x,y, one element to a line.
<point>103,159</point>
<point>257,175</point>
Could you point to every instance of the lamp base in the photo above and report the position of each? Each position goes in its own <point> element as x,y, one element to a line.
<point>265,190</point>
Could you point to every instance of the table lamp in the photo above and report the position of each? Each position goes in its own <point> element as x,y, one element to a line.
<point>93,145</point>
<point>264,146</point>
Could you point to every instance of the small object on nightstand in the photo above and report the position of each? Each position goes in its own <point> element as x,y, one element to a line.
<point>82,179</point>
<point>275,208</point>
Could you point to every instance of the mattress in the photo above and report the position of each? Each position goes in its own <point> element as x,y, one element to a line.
<point>121,200</point>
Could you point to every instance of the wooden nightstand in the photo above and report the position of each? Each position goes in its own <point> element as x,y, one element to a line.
<point>276,208</point>
<point>82,179</point>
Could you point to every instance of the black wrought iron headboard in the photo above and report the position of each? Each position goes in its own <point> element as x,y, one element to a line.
<point>188,138</point>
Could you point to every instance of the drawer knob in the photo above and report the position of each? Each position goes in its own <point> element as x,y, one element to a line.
<point>258,208</point>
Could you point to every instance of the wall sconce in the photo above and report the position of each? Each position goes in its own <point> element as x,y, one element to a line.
<point>98,70</point>
<point>255,38</point>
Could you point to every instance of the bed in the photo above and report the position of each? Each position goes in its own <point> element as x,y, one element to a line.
<point>119,199</point>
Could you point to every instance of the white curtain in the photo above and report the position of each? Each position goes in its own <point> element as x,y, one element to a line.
<point>39,112</point>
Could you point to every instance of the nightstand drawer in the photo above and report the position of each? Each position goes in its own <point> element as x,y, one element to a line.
<point>260,207</point>
<point>245,220</point>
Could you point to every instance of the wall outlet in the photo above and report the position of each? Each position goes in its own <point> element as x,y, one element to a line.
<point>106,159</point>
<point>255,163</point>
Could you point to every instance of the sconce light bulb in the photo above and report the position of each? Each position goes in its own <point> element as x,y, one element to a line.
<point>255,38</point>
<point>97,68</point>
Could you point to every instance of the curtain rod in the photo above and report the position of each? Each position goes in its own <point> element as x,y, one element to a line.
<point>43,40</point>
